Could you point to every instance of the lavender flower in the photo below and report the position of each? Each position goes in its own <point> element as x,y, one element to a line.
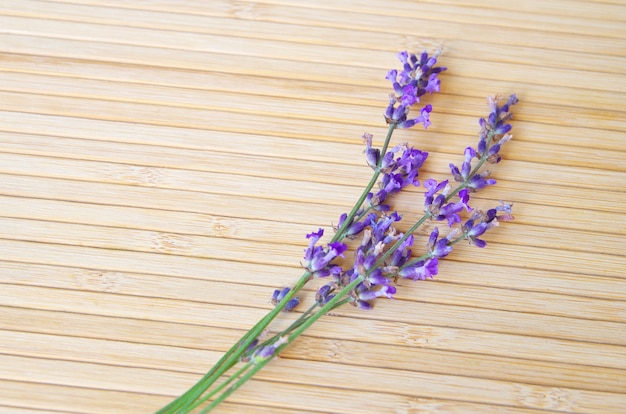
<point>438,247</point>
<point>375,279</point>
<point>325,294</point>
<point>383,230</point>
<point>420,270</point>
<point>432,188</point>
<point>479,181</point>
<point>353,228</point>
<point>384,254</point>
<point>437,206</point>
<point>397,115</point>
<point>480,222</point>
<point>409,163</point>
<point>464,198</point>
<point>279,295</point>
<point>363,295</point>
<point>403,253</point>
<point>466,167</point>
<point>372,155</point>
<point>268,351</point>
<point>399,172</point>
<point>317,259</point>
<point>417,77</point>
<point>495,126</point>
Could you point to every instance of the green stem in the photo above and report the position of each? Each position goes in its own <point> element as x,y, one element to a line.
<point>255,368</point>
<point>330,305</point>
<point>285,331</point>
<point>233,355</point>
<point>208,395</point>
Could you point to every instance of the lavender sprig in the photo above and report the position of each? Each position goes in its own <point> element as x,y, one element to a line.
<point>384,254</point>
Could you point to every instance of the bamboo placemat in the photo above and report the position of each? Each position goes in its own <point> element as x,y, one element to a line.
<point>161,162</point>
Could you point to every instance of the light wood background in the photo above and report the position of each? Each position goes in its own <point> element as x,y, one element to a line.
<point>161,162</point>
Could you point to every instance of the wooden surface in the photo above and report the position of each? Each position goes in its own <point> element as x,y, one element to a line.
<point>161,162</point>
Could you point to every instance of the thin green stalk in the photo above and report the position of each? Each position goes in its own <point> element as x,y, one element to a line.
<point>301,321</point>
<point>255,368</point>
<point>285,331</point>
<point>208,395</point>
<point>232,356</point>
<point>330,305</point>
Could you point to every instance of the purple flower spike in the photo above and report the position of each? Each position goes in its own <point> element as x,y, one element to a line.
<point>264,353</point>
<point>475,231</point>
<point>467,163</point>
<point>383,224</point>
<point>441,249</point>
<point>398,172</point>
<point>495,126</point>
<point>418,77</point>
<point>352,228</point>
<point>433,83</point>
<point>456,173</point>
<point>450,212</point>
<point>409,96</point>
<point>480,222</point>
<point>432,239</point>
<point>410,162</point>
<point>377,278</point>
<point>324,294</point>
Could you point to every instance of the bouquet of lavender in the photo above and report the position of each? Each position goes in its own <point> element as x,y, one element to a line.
<point>384,254</point>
